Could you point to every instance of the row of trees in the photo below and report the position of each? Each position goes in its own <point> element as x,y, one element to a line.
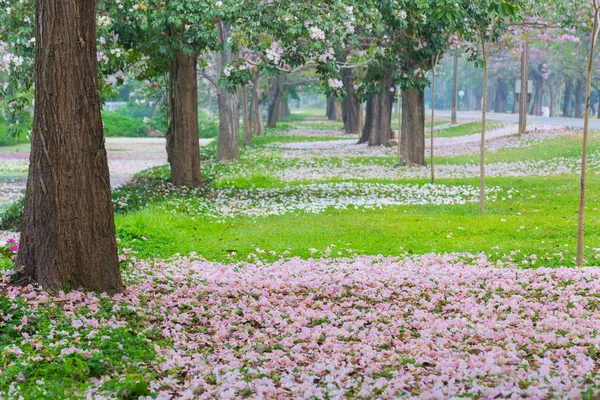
<point>361,52</point>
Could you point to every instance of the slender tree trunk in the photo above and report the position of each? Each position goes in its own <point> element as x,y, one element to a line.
<point>353,120</point>
<point>482,144</point>
<point>598,90</point>
<point>183,146</point>
<point>579,88</point>
<point>412,131</point>
<point>246,118</point>
<point>454,89</point>
<point>568,97</point>
<point>68,230</point>
<point>228,148</point>
<point>586,125</point>
<point>553,100</point>
<point>432,122</point>
<point>256,106</point>
<point>275,96</point>
<point>524,89</point>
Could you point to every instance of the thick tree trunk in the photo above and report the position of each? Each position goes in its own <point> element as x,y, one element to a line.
<point>378,123</point>
<point>275,95</point>
<point>256,106</point>
<point>68,231</point>
<point>371,116</point>
<point>330,113</point>
<point>567,99</point>
<point>338,111</point>
<point>285,108</point>
<point>352,107</point>
<point>538,89</point>
<point>228,148</point>
<point>183,146</point>
<point>412,140</point>
<point>579,87</point>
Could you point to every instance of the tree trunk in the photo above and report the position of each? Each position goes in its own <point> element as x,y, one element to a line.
<point>538,88</point>
<point>454,90</point>
<point>285,108</point>
<point>183,146</point>
<point>412,139</point>
<point>501,96</point>
<point>491,95</point>
<point>68,231</point>
<point>553,98</point>
<point>579,87</point>
<point>256,106</point>
<point>567,99</point>
<point>586,125</point>
<point>338,111</point>
<point>246,118</point>
<point>378,123</point>
<point>228,148</point>
<point>331,110</point>
<point>353,108</point>
<point>371,117</point>
<point>275,96</point>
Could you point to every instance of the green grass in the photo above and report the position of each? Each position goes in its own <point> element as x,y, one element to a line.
<point>469,128</point>
<point>540,220</point>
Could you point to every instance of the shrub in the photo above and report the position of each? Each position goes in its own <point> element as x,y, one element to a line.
<point>11,218</point>
<point>116,125</point>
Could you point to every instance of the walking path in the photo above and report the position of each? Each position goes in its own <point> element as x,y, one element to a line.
<point>476,115</point>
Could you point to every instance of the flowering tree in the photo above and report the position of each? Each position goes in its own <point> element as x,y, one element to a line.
<point>487,20</point>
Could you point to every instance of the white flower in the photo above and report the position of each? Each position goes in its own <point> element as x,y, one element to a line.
<point>335,83</point>
<point>316,33</point>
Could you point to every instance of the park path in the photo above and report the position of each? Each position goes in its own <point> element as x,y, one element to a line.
<point>126,157</point>
<point>556,121</point>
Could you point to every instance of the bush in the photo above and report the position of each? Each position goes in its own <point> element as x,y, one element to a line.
<point>116,125</point>
<point>11,218</point>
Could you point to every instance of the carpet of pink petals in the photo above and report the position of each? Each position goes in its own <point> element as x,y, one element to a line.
<point>430,327</point>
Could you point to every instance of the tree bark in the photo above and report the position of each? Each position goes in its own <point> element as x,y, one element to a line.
<point>256,106</point>
<point>353,108</point>
<point>567,99</point>
<point>183,146</point>
<point>338,111</point>
<point>228,148</point>
<point>275,96</point>
<point>579,87</point>
<point>68,231</point>
<point>246,118</point>
<point>378,123</point>
<point>412,140</point>
<point>586,125</point>
<point>538,88</point>
<point>371,116</point>
<point>331,111</point>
